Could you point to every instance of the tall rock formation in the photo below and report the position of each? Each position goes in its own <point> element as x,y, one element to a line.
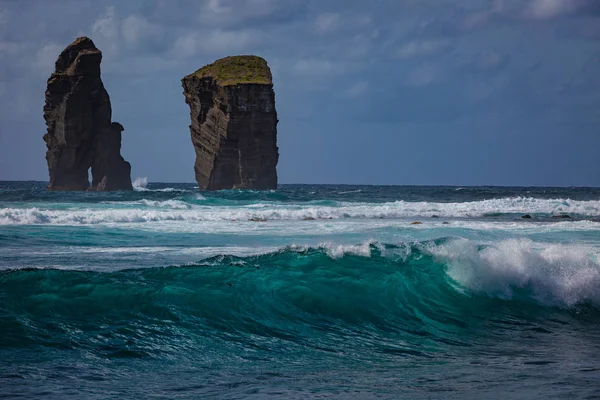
<point>234,124</point>
<point>80,133</point>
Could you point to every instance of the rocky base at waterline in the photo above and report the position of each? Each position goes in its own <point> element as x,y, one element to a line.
<point>234,124</point>
<point>80,132</point>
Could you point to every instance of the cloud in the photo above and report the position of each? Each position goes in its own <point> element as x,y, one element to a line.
<point>481,88</point>
<point>147,64</point>
<point>424,75</point>
<point>46,58</point>
<point>459,19</point>
<point>585,80</point>
<point>106,31</point>
<point>133,33</point>
<point>477,20</point>
<point>548,9</point>
<point>359,47</point>
<point>217,7</point>
<point>8,48</point>
<point>422,48</point>
<point>357,90</point>
<point>490,59</point>
<point>229,13</point>
<point>579,29</point>
<point>327,23</point>
<point>315,68</point>
<point>136,31</point>
<point>4,16</point>
<point>217,42</point>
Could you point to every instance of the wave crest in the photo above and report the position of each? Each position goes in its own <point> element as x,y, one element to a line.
<point>553,274</point>
<point>195,209</point>
<point>515,269</point>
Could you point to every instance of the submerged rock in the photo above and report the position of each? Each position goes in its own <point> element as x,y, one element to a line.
<point>526,216</point>
<point>80,134</point>
<point>234,124</point>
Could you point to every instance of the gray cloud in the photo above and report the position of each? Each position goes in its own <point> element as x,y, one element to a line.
<point>429,62</point>
<point>423,48</point>
<point>549,9</point>
<point>224,14</point>
<point>586,28</point>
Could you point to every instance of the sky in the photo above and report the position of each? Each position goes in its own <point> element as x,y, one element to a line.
<point>405,92</point>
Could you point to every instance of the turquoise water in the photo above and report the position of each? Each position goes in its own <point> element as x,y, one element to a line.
<point>303,292</point>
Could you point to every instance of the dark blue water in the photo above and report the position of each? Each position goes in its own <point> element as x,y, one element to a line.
<point>303,292</point>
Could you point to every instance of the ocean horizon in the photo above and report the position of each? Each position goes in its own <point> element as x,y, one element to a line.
<point>142,182</point>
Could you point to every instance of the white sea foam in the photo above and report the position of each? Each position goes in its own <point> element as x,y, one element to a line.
<point>175,204</point>
<point>401,209</point>
<point>179,210</point>
<point>117,258</point>
<point>558,274</point>
<point>555,274</point>
<point>140,184</point>
<point>199,252</point>
<point>340,250</point>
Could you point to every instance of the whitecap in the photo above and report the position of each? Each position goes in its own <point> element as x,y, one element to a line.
<point>558,274</point>
<point>178,210</point>
<point>140,184</point>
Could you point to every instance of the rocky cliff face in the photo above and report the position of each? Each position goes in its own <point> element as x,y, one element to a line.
<point>234,124</point>
<point>80,133</point>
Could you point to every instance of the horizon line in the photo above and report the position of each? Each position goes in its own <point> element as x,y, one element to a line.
<point>370,184</point>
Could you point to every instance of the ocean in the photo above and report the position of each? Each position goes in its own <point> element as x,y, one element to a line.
<point>308,291</point>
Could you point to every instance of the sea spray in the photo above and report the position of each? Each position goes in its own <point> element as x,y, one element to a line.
<point>140,184</point>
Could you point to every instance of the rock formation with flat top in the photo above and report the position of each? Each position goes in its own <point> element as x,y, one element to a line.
<point>80,133</point>
<point>234,124</point>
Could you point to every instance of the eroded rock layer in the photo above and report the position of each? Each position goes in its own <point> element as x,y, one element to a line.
<point>234,124</point>
<point>80,133</point>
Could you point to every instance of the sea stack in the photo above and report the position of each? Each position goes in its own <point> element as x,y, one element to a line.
<point>80,132</point>
<point>234,124</point>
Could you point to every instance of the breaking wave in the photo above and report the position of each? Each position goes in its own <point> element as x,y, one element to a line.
<point>369,304</point>
<point>140,184</point>
<point>514,269</point>
<point>192,209</point>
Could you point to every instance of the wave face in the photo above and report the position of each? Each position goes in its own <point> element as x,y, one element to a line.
<point>99,300</point>
<point>341,308</point>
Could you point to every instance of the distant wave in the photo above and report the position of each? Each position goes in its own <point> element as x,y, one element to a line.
<point>141,185</point>
<point>181,210</point>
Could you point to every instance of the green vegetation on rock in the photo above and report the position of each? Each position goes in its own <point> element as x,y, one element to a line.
<point>237,70</point>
